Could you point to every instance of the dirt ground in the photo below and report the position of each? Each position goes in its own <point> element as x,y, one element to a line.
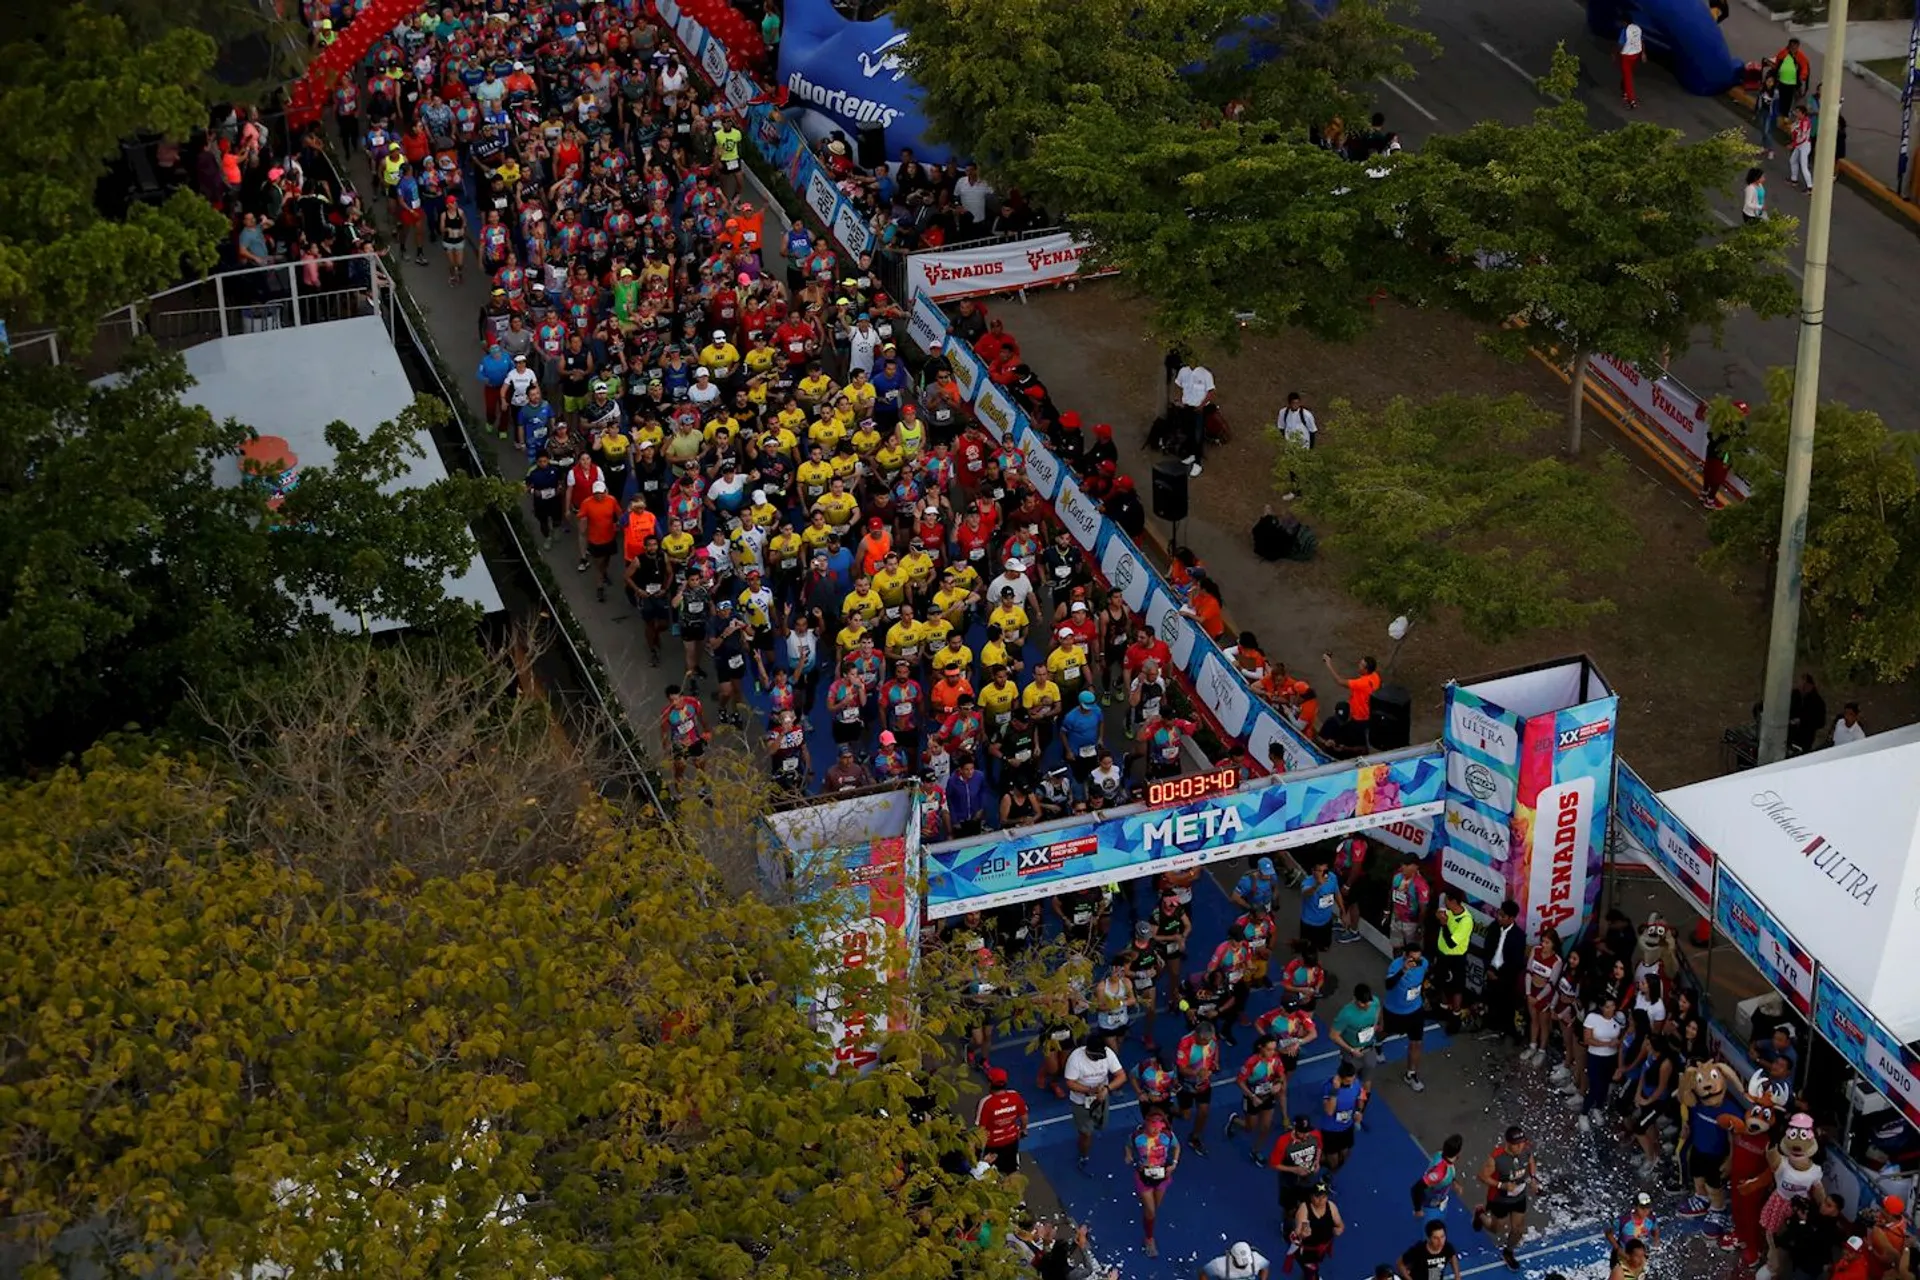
<point>1685,649</point>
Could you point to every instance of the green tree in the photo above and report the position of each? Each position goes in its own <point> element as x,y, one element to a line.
<point>1861,571</point>
<point>72,89</point>
<point>1227,227</point>
<point>1597,240</point>
<point>132,573</point>
<point>586,1059</point>
<point>1448,505</point>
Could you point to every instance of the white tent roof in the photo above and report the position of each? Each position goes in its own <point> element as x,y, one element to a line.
<point>1826,842</point>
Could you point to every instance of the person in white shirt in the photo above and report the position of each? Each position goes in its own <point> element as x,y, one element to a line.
<point>1629,55</point>
<point>1093,1072</point>
<point>704,392</point>
<point>1297,426</point>
<point>1848,727</point>
<point>863,345</point>
<point>1753,196</point>
<point>972,194</point>
<point>1192,393</point>
<point>1242,1262</point>
<point>1013,576</point>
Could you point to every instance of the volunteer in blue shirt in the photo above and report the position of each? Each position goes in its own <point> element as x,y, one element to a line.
<point>1342,1108</point>
<point>536,421</point>
<point>1406,1008</point>
<point>1080,731</point>
<point>1320,906</point>
<point>1256,888</point>
<point>493,371</point>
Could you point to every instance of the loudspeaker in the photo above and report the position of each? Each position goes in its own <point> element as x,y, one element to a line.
<point>871,145</point>
<point>1390,718</point>
<point>1170,490</point>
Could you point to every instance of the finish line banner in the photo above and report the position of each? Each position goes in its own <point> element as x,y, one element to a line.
<point>1059,857</point>
<point>947,274</point>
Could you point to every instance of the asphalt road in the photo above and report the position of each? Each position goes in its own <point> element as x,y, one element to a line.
<point>1490,52</point>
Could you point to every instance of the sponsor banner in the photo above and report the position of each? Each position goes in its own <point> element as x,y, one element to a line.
<point>713,60</point>
<point>871,934</point>
<point>1558,859</point>
<point>850,229</point>
<point>1223,693</point>
<point>1662,404</point>
<point>1080,514</point>
<point>691,34</point>
<point>1481,728</point>
<point>926,323</point>
<point>1761,938</point>
<point>1483,886</point>
<point>1674,852</point>
<point>1044,471</point>
<point>1416,838</point>
<point>1583,759</point>
<point>968,372</point>
<point>776,141</point>
<point>1468,829</point>
<point>996,411</point>
<point>949,274</point>
<point>1177,631</point>
<point>1867,1045</point>
<point>669,11</point>
<point>821,196</point>
<point>969,875</point>
<point>1488,787</point>
<point>1124,568</point>
<point>741,90</point>
<point>848,74</point>
<point>1269,727</point>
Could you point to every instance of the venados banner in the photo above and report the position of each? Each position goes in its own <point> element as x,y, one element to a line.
<point>948,274</point>
<point>1278,813</point>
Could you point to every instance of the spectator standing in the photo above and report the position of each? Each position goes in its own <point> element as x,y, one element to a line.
<point>1630,48</point>
<point>1297,426</point>
<point>1002,1118</point>
<point>1503,949</point>
<point>974,195</point>
<point>1790,72</point>
<point>1800,152</point>
<point>1241,1262</point>
<point>1093,1072</point>
<point>1848,727</point>
<point>1806,714</point>
<point>1753,196</point>
<point>1360,688</point>
<point>967,798</point>
<point>1192,395</point>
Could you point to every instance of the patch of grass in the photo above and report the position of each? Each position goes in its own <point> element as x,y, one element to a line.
<point>1892,70</point>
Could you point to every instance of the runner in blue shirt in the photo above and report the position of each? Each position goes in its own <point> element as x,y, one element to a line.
<point>1406,1007</point>
<point>1320,905</point>
<point>1342,1108</point>
<point>1256,888</point>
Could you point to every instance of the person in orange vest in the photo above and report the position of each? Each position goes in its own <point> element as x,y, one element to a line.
<point>875,547</point>
<point>751,232</point>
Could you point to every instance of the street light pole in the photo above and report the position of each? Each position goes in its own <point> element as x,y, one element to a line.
<point>1784,636</point>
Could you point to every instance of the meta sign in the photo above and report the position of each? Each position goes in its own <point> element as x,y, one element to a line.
<point>1058,857</point>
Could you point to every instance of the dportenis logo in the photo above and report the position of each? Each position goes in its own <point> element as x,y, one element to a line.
<point>851,106</point>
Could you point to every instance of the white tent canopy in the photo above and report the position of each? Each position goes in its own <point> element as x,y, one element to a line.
<point>1827,843</point>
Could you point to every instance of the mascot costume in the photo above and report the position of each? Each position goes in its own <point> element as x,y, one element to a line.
<point>1749,1178</point>
<point>1657,952</point>
<point>1711,1116</point>
<point>1795,1162</point>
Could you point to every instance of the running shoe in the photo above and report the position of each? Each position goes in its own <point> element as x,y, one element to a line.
<point>1508,1256</point>
<point>1479,1219</point>
<point>1199,1147</point>
<point>1343,935</point>
<point>1081,1164</point>
<point>1694,1207</point>
<point>1151,1249</point>
<point>1585,1123</point>
<point>1415,1083</point>
<point>1233,1123</point>
<point>1560,1074</point>
<point>1729,1241</point>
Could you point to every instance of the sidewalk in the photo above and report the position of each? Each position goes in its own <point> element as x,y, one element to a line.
<point>1873,114</point>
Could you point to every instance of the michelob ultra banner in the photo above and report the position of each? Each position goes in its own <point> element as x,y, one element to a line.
<point>1228,818</point>
<point>1482,740</point>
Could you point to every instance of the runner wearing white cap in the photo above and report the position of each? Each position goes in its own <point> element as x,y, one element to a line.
<point>1241,1262</point>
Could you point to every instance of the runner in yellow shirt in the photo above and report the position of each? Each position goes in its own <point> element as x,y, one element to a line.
<point>1041,698</point>
<point>997,698</point>
<point>1011,619</point>
<point>814,388</point>
<point>817,532</point>
<point>827,431</point>
<point>891,581</point>
<point>863,604</point>
<point>815,476</point>
<point>906,639</point>
<point>1068,664</point>
<point>866,439</point>
<point>840,507</point>
<point>952,599</point>
<point>949,650</point>
<point>995,653</point>
<point>763,514</point>
<point>678,545</point>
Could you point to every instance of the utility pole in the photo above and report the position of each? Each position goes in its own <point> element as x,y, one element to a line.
<point>1783,639</point>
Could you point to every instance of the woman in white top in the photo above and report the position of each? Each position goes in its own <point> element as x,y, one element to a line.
<point>1543,969</point>
<point>1601,1032</point>
<point>1753,197</point>
<point>1651,997</point>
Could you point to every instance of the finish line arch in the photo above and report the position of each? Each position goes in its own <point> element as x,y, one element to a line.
<point>1259,816</point>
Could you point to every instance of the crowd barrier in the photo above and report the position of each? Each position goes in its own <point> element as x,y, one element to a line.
<point>960,271</point>
<point>776,140</point>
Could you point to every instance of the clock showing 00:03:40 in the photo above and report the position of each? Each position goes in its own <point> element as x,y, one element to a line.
<point>1193,786</point>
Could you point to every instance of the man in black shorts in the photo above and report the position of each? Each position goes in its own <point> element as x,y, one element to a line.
<point>1508,1175</point>
<point>1296,1155</point>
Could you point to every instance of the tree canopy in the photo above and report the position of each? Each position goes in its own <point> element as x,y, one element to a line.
<point>1861,569</point>
<point>586,1059</point>
<point>1597,239</point>
<point>71,91</point>
<point>132,574</point>
<point>1446,505</point>
<point>1174,134</point>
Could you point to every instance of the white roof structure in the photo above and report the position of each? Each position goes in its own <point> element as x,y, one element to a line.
<point>1827,842</point>
<point>293,382</point>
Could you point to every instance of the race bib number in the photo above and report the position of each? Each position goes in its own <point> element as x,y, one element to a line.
<point>1070,673</point>
<point>1087,752</point>
<point>696,606</point>
<point>849,715</point>
<point>1063,571</point>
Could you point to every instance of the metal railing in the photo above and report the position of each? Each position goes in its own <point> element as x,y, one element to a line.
<point>233,302</point>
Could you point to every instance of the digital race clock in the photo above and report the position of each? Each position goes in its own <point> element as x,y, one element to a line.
<point>1194,786</point>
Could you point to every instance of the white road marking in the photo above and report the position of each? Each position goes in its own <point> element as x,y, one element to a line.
<point>1407,98</point>
<point>1515,67</point>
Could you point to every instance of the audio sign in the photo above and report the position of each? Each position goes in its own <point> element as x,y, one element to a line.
<point>1194,786</point>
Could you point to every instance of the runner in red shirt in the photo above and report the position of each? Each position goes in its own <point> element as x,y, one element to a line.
<point>1002,1118</point>
<point>1147,645</point>
<point>971,458</point>
<point>973,542</point>
<point>794,341</point>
